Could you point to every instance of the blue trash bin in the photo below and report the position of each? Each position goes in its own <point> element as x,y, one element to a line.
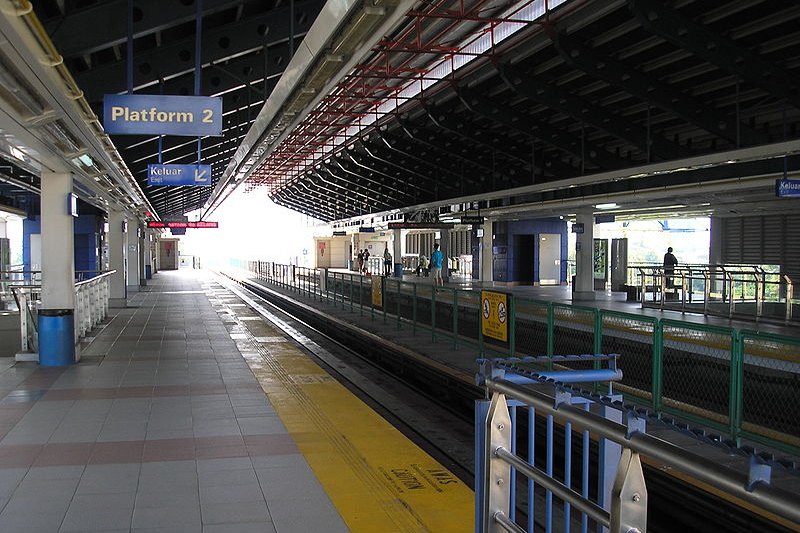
<point>148,272</point>
<point>56,337</point>
<point>398,270</point>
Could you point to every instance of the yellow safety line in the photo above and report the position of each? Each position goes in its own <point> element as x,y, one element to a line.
<point>378,480</point>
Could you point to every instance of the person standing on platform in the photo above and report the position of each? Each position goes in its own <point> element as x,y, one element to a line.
<point>436,265</point>
<point>387,262</point>
<point>422,267</point>
<point>366,261</point>
<point>670,261</point>
<point>360,261</point>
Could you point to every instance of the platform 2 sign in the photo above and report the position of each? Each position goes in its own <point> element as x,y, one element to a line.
<point>179,175</point>
<point>149,114</point>
<point>494,315</point>
<point>787,188</point>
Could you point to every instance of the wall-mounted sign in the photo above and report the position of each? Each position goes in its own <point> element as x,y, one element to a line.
<point>577,227</point>
<point>787,188</point>
<point>472,220</point>
<point>173,175</point>
<point>339,233</point>
<point>494,315</point>
<point>602,219</point>
<point>160,224</point>
<point>366,229</point>
<point>72,204</point>
<point>151,114</point>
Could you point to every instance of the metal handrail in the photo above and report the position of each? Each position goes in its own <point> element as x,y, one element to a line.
<point>739,284</point>
<point>89,309</point>
<point>754,488</point>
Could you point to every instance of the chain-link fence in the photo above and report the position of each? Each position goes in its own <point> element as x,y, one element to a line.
<point>770,376</point>
<point>574,333</point>
<point>533,327</point>
<point>633,337</point>
<point>697,369</point>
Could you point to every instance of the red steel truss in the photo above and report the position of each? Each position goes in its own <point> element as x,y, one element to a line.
<point>433,32</point>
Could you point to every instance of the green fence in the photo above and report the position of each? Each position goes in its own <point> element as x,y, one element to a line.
<point>741,383</point>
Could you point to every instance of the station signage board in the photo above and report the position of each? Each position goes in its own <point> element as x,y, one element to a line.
<point>179,224</point>
<point>339,233</point>
<point>152,114</point>
<point>421,225</point>
<point>471,220</point>
<point>578,227</point>
<point>787,188</point>
<point>494,315</point>
<point>179,175</point>
<point>366,229</point>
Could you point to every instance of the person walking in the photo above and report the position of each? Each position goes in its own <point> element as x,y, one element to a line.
<point>437,257</point>
<point>670,262</point>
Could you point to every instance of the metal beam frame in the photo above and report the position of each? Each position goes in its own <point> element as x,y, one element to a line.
<point>657,93</point>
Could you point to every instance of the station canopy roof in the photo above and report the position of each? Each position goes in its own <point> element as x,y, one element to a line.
<point>400,104</point>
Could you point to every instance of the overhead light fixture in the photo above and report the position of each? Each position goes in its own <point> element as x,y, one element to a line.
<point>606,206</point>
<point>86,160</point>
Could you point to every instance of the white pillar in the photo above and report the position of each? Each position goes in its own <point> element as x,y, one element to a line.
<point>57,314</point>
<point>148,253</point>
<point>133,256</point>
<point>118,258</point>
<point>486,259</point>
<point>716,242</point>
<point>58,243</point>
<point>142,255</point>
<point>584,258</point>
<point>397,252</point>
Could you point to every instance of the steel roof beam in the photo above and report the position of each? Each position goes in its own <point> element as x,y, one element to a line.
<point>219,44</point>
<point>716,49</point>
<point>526,85</point>
<point>381,187</point>
<point>391,142</point>
<point>546,133</point>
<point>328,205</point>
<point>373,169</point>
<point>318,211</point>
<point>658,93</point>
<point>72,36</point>
<point>372,195</point>
<point>372,153</point>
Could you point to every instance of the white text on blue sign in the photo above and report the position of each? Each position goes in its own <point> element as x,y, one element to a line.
<point>135,114</point>
<point>176,175</point>
<point>787,188</point>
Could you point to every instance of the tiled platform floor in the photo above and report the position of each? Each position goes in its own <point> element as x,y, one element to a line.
<point>161,427</point>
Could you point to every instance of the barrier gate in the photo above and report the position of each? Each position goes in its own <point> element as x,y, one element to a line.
<point>614,499</point>
<point>498,460</point>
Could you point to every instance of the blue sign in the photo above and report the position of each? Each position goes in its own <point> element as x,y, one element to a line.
<point>149,114</point>
<point>787,188</point>
<point>171,175</point>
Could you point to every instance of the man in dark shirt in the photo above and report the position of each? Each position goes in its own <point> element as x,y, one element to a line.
<point>670,261</point>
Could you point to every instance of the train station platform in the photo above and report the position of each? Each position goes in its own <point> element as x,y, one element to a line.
<point>187,412</point>
<point>692,413</point>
